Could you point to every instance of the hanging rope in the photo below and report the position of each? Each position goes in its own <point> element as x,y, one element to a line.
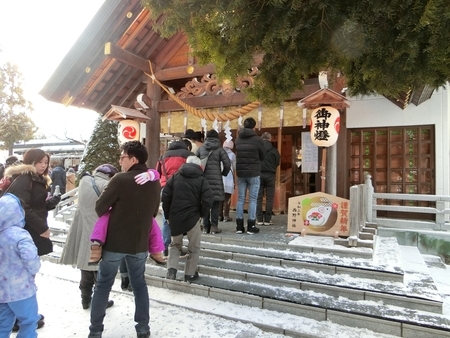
<point>223,117</point>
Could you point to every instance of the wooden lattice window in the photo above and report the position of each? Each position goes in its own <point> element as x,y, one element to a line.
<point>399,159</point>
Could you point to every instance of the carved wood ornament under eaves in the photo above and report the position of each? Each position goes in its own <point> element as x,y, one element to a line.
<point>209,85</point>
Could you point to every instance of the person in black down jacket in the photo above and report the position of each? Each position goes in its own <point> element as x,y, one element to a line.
<point>218,165</point>
<point>168,164</point>
<point>185,197</point>
<point>58,177</point>
<point>249,154</point>
<point>31,184</point>
<point>267,180</point>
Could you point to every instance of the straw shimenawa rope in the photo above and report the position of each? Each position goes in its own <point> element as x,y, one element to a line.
<point>204,114</point>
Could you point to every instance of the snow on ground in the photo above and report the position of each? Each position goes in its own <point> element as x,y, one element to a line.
<point>171,316</point>
<point>175,314</point>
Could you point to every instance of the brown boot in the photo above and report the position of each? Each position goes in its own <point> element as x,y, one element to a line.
<point>158,258</point>
<point>215,229</point>
<point>96,254</point>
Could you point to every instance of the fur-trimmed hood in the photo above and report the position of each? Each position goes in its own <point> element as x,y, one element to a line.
<point>24,169</point>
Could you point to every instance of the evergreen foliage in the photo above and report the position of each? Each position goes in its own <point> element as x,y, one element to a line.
<point>15,123</point>
<point>103,147</point>
<point>383,47</point>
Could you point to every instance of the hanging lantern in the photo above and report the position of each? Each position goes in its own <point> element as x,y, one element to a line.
<point>128,131</point>
<point>325,122</point>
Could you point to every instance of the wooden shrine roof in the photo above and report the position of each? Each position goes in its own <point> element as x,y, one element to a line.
<point>106,64</point>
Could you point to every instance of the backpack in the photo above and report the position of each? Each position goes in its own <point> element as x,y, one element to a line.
<point>204,161</point>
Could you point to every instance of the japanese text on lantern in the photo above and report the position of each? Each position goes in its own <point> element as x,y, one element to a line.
<point>321,126</point>
<point>343,217</point>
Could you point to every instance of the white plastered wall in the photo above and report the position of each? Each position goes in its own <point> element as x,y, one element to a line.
<point>377,111</point>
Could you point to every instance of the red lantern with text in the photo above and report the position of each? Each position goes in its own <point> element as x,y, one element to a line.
<point>128,131</point>
<point>325,122</point>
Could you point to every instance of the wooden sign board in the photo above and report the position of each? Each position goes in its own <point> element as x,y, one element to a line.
<point>319,214</point>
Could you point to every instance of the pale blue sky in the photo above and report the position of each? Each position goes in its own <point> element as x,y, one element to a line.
<point>36,35</point>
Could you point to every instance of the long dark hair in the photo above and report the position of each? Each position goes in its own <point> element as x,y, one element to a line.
<point>35,155</point>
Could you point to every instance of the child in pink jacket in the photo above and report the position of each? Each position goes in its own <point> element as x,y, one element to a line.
<point>155,241</point>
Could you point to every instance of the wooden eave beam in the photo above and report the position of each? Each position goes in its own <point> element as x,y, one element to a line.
<point>236,99</point>
<point>182,72</point>
<point>126,57</point>
<point>144,15</point>
<point>167,74</point>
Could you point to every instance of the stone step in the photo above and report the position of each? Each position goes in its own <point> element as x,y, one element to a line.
<point>325,279</point>
<point>355,263</point>
<point>367,288</point>
<point>368,314</point>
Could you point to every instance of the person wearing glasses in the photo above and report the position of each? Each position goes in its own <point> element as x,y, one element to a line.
<point>133,207</point>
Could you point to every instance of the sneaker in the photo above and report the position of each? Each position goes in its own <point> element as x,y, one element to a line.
<point>252,230</point>
<point>260,223</point>
<point>268,222</point>
<point>143,335</point>
<point>171,273</point>
<point>215,230</point>
<point>227,219</point>
<point>191,278</point>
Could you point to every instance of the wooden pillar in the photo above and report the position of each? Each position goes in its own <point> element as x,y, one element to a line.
<point>278,173</point>
<point>153,126</point>
<point>331,165</point>
<point>279,201</point>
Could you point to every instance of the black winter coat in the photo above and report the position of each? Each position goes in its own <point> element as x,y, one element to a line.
<point>58,177</point>
<point>271,160</point>
<point>249,153</point>
<point>185,197</point>
<point>213,172</point>
<point>33,191</point>
<point>133,207</point>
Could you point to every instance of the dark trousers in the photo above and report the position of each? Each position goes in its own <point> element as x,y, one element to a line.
<point>87,282</point>
<point>224,208</point>
<point>88,279</point>
<point>266,187</point>
<point>212,217</point>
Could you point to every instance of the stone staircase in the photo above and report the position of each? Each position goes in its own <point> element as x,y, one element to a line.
<point>387,289</point>
<point>345,286</point>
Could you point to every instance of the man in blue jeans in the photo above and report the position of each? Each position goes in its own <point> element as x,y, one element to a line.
<point>249,154</point>
<point>133,207</point>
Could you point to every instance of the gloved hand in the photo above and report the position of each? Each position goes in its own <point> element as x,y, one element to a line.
<point>149,176</point>
<point>52,202</point>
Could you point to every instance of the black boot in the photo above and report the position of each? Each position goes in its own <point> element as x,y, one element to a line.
<point>240,226</point>
<point>171,273</point>
<point>86,296</point>
<point>251,228</point>
<point>125,283</point>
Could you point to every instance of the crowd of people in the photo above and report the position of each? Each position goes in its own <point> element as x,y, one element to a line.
<point>114,227</point>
